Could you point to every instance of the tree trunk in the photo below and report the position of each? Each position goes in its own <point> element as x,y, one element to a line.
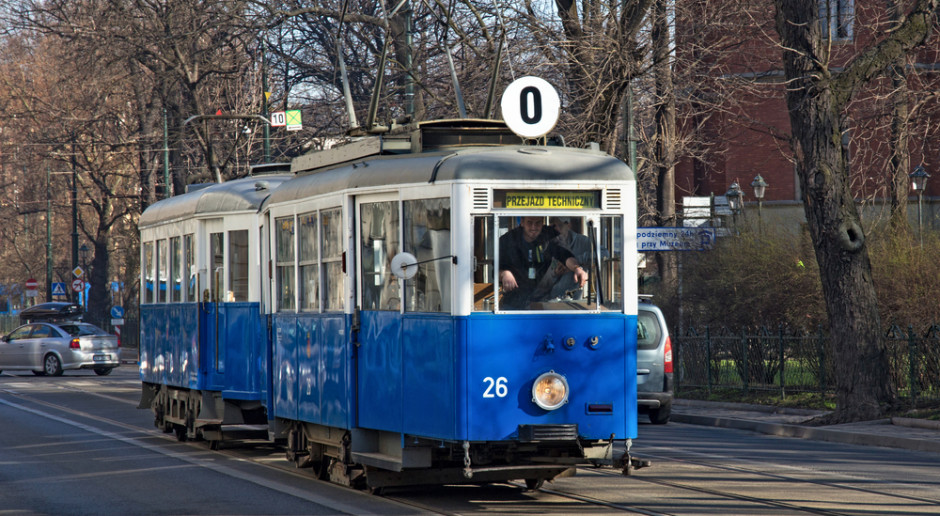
<point>900,165</point>
<point>665,148</point>
<point>816,98</point>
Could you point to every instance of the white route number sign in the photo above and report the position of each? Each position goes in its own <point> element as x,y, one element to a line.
<point>530,107</point>
<point>278,119</point>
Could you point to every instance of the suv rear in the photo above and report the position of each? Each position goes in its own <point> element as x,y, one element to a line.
<point>653,364</point>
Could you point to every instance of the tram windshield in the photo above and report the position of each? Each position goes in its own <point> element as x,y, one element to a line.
<point>548,263</point>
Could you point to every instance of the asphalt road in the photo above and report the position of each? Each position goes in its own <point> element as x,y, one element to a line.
<point>77,444</point>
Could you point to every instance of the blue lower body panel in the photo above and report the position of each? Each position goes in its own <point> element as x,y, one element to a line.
<point>312,369</point>
<point>205,346</point>
<point>471,378</point>
<point>170,345</point>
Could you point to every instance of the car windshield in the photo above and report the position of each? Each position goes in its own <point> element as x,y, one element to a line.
<point>81,329</point>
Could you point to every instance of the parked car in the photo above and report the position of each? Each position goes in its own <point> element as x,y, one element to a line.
<point>653,364</point>
<point>47,348</point>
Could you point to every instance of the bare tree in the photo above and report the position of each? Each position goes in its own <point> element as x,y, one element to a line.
<point>817,98</point>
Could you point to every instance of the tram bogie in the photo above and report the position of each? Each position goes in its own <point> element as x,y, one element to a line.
<point>357,310</point>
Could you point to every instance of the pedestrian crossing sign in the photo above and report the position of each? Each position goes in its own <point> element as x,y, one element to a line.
<point>58,289</point>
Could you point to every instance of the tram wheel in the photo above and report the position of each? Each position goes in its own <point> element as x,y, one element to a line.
<point>533,484</point>
<point>180,433</point>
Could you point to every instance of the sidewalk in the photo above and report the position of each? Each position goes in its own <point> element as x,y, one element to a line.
<point>906,433</point>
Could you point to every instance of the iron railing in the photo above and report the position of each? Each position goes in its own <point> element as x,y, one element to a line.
<point>796,360</point>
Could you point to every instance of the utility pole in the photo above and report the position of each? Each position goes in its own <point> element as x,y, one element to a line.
<point>166,158</point>
<point>74,211</point>
<point>48,234</point>
<point>264,102</point>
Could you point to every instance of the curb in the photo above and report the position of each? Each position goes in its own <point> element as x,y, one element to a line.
<point>812,433</point>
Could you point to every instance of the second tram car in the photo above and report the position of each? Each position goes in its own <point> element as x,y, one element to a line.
<point>357,308</point>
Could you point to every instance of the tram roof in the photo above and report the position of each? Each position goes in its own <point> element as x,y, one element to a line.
<point>244,194</point>
<point>516,162</point>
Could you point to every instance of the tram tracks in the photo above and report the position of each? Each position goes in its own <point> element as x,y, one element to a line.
<point>594,489</point>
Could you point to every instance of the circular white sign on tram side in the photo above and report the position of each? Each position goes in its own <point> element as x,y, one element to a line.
<point>530,107</point>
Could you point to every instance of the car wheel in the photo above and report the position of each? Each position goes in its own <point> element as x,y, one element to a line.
<point>103,371</point>
<point>52,366</point>
<point>660,416</point>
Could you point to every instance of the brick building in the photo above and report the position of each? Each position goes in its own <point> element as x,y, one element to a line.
<point>746,127</point>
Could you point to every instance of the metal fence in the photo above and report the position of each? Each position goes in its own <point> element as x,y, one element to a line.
<point>8,322</point>
<point>796,360</point>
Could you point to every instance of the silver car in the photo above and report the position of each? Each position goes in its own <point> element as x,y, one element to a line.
<point>653,364</point>
<point>47,348</point>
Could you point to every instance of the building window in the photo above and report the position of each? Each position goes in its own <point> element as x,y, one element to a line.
<point>837,19</point>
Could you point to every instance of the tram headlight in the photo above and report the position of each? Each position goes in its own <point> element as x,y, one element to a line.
<point>550,390</point>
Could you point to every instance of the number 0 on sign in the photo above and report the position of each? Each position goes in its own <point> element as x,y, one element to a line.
<point>530,107</point>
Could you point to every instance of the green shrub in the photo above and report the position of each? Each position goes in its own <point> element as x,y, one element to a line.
<point>769,279</point>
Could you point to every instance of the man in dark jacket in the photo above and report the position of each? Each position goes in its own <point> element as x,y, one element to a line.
<point>525,256</point>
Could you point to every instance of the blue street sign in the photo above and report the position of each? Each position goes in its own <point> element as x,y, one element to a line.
<point>117,312</point>
<point>58,289</point>
<point>674,239</point>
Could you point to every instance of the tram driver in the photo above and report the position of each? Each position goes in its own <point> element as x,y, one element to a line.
<point>526,254</point>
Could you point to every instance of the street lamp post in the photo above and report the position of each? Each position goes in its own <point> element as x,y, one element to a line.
<point>760,187</point>
<point>919,183</point>
<point>83,250</point>
<point>735,199</point>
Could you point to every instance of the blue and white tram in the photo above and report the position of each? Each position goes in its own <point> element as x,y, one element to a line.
<point>377,339</point>
<point>394,360</point>
<point>203,339</point>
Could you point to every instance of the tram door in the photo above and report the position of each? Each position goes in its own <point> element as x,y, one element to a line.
<point>379,303</point>
<point>212,357</point>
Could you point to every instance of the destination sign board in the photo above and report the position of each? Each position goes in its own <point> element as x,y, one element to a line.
<point>551,200</point>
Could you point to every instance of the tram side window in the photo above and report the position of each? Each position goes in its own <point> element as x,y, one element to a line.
<point>483,264</point>
<point>190,258</point>
<point>176,263</point>
<point>161,271</point>
<point>285,262</point>
<point>237,266</point>
<point>331,252</point>
<point>149,293</point>
<point>378,244</point>
<point>427,237</point>
<point>611,258</point>
<point>216,250</point>
<point>309,276</point>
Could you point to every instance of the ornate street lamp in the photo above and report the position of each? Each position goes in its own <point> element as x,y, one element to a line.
<point>919,184</point>
<point>735,201</point>
<point>760,187</point>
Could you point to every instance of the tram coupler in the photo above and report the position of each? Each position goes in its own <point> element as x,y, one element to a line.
<point>631,463</point>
